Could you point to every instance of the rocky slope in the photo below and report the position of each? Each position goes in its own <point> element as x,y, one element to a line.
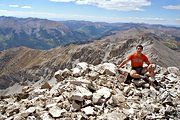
<point>23,65</point>
<point>95,92</point>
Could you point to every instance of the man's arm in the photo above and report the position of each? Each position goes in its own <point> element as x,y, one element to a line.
<point>123,63</point>
<point>150,68</point>
<point>147,62</point>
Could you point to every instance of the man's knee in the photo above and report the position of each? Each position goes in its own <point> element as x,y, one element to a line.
<point>132,72</point>
<point>150,69</point>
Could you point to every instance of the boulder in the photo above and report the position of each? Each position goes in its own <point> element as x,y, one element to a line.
<point>56,112</point>
<point>88,110</point>
<point>174,70</point>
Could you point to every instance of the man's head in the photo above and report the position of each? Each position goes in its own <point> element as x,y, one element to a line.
<point>139,48</point>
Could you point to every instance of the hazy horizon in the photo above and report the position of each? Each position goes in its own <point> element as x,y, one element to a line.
<point>165,12</point>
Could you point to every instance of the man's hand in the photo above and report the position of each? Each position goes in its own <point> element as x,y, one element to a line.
<point>117,67</point>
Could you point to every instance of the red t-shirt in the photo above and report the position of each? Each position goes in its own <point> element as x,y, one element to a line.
<point>136,60</point>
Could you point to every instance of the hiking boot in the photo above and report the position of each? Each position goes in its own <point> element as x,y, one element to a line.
<point>138,83</point>
<point>128,79</point>
<point>145,78</point>
<point>156,83</point>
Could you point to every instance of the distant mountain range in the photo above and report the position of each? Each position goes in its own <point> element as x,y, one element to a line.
<point>97,43</point>
<point>45,34</point>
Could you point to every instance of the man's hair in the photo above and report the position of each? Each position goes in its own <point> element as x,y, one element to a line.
<point>139,46</point>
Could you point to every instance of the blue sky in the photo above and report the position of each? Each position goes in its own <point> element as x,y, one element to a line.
<point>165,12</point>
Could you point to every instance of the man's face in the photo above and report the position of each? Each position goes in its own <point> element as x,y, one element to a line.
<point>139,49</point>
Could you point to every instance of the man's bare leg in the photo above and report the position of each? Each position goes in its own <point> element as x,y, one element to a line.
<point>134,74</point>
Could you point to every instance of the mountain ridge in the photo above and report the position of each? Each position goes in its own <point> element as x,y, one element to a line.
<point>46,34</point>
<point>25,64</point>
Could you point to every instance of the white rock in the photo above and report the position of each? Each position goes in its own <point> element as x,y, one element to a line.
<point>86,93</point>
<point>54,89</point>
<point>17,117</point>
<point>31,109</point>
<point>164,95</point>
<point>58,99</point>
<point>28,111</point>
<point>118,98</point>
<point>131,110</point>
<point>88,110</point>
<point>46,116</point>
<point>106,68</point>
<point>39,91</point>
<point>79,81</point>
<point>9,118</point>
<point>87,102</point>
<point>115,116</point>
<point>172,78</point>
<point>106,111</point>
<point>80,94</point>
<point>96,98</point>
<point>127,89</point>
<point>56,111</point>
<point>83,66</point>
<point>105,92</point>
<point>77,96</point>
<point>93,75</point>
<point>174,70</point>
<point>31,118</point>
<point>3,117</point>
<point>50,105</point>
<point>76,72</point>
<point>58,75</point>
<point>66,73</point>
<point>27,89</point>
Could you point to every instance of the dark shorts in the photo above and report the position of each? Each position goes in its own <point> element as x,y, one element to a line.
<point>138,70</point>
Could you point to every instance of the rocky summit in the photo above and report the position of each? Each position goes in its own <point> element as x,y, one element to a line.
<point>96,92</point>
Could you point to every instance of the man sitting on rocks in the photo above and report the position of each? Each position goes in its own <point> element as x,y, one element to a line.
<point>137,60</point>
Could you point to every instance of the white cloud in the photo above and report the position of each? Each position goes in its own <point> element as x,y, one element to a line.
<point>15,6</point>
<point>121,5</point>
<point>61,0</point>
<point>35,14</point>
<point>26,6</point>
<point>178,21</point>
<point>172,7</point>
<point>3,11</point>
